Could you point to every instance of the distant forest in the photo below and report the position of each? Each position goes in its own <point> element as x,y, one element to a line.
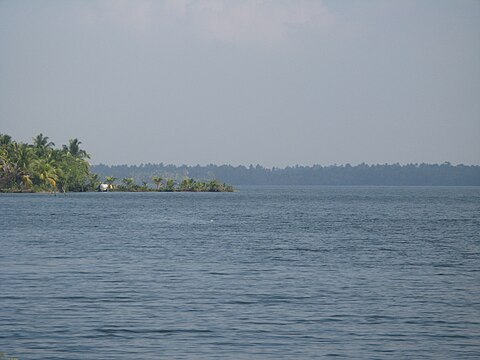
<point>388,174</point>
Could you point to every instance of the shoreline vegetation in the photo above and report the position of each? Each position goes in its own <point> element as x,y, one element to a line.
<point>164,185</point>
<point>41,168</point>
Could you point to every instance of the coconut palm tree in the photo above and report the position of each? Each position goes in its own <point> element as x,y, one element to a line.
<point>22,156</point>
<point>110,180</point>
<point>42,145</point>
<point>187,184</point>
<point>41,141</point>
<point>144,186</point>
<point>47,172</point>
<point>158,181</point>
<point>129,183</point>
<point>170,186</point>
<point>73,148</point>
<point>5,139</point>
<point>8,170</point>
<point>214,186</point>
<point>200,186</point>
<point>27,181</point>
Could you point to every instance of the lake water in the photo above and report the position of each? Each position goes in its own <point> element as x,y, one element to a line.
<point>284,272</point>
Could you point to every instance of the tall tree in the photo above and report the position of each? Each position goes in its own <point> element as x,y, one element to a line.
<point>129,183</point>
<point>110,180</point>
<point>158,181</point>
<point>170,186</point>
<point>47,172</point>
<point>5,139</point>
<point>42,145</point>
<point>73,148</point>
<point>41,141</point>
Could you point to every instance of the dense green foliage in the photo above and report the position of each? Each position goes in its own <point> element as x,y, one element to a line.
<point>168,185</point>
<point>40,167</point>
<point>362,174</point>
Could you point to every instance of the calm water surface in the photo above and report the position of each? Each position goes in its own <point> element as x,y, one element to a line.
<point>285,272</point>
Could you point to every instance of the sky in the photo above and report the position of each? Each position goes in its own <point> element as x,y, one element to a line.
<point>270,82</point>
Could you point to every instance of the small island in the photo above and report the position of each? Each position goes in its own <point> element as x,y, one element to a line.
<point>164,185</point>
<point>40,167</point>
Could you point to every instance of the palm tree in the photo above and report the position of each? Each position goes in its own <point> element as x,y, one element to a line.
<point>129,183</point>
<point>7,169</point>
<point>15,160</point>
<point>110,180</point>
<point>158,181</point>
<point>5,139</point>
<point>170,186</point>
<point>200,186</point>
<point>187,184</point>
<point>47,172</point>
<point>41,141</point>
<point>73,148</point>
<point>22,156</point>
<point>214,186</point>
<point>42,145</point>
<point>27,181</point>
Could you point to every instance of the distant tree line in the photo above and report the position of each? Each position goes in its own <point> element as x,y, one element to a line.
<point>444,174</point>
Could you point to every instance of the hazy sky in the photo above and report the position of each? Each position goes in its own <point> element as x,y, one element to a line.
<point>274,82</point>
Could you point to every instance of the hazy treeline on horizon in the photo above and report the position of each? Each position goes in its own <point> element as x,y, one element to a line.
<point>444,174</point>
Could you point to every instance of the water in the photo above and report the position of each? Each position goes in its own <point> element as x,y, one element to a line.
<point>284,272</point>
